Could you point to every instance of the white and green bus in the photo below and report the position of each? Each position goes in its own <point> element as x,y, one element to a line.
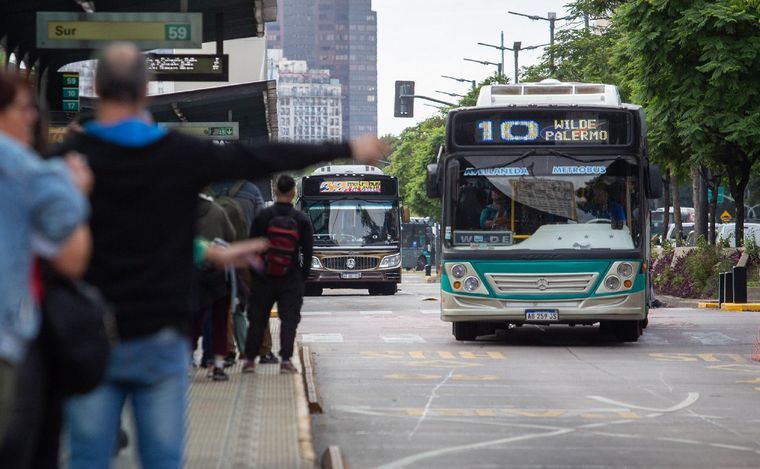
<point>545,219</point>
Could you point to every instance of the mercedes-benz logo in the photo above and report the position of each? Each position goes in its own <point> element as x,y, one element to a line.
<point>350,262</point>
<point>542,284</point>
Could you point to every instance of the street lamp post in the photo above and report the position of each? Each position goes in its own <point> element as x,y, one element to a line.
<point>463,80</point>
<point>486,62</point>
<point>500,47</point>
<point>456,95</point>
<point>551,18</point>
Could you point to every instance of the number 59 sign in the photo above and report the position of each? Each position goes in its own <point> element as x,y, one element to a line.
<point>66,30</point>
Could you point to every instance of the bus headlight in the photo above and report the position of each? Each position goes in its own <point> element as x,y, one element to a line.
<point>458,270</point>
<point>390,261</point>
<point>625,269</point>
<point>471,284</point>
<point>612,283</point>
<point>316,263</point>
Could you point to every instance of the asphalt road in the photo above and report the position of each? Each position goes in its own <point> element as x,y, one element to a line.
<point>399,391</point>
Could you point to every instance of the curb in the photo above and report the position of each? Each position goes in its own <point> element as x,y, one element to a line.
<point>310,381</point>
<point>710,305</point>
<point>740,307</point>
<point>305,440</point>
<point>332,458</point>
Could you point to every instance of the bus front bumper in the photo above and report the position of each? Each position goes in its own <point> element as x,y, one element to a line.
<point>455,308</point>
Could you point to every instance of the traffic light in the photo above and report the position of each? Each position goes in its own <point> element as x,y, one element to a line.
<point>404,99</point>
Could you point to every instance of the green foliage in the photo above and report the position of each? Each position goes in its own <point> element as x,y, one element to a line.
<point>415,149</point>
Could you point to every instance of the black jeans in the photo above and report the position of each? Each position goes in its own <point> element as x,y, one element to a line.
<point>288,294</point>
<point>33,432</point>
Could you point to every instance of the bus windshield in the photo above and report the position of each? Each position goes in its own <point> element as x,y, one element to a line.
<point>543,202</point>
<point>354,222</point>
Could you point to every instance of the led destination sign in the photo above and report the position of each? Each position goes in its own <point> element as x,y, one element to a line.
<point>188,67</point>
<point>556,130</point>
<point>541,127</point>
<point>350,186</point>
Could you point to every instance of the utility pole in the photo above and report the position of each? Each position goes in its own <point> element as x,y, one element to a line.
<point>501,49</point>
<point>551,18</point>
<point>516,48</point>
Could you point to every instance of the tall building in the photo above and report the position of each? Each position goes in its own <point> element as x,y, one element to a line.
<point>308,103</point>
<point>340,36</point>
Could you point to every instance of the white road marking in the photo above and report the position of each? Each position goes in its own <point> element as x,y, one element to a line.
<point>403,339</point>
<point>457,449</point>
<point>316,313</point>
<point>322,338</point>
<point>433,395</point>
<point>690,399</point>
<point>430,311</point>
<point>373,313</point>
<point>711,338</point>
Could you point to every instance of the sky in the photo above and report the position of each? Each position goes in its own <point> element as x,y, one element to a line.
<point>420,40</point>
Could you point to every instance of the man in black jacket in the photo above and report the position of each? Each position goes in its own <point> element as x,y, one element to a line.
<point>143,223</point>
<point>286,290</point>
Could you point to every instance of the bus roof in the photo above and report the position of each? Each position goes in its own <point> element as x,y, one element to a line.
<point>549,91</point>
<point>354,169</point>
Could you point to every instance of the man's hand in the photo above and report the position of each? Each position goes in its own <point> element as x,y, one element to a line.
<point>369,150</point>
<point>80,172</point>
<point>238,254</point>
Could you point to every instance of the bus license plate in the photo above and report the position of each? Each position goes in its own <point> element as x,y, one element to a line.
<point>351,275</point>
<point>541,315</point>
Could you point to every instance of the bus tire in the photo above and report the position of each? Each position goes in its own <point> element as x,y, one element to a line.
<point>628,331</point>
<point>313,291</point>
<point>465,330</point>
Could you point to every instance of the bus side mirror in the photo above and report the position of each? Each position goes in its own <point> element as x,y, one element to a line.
<point>653,182</point>
<point>431,185</point>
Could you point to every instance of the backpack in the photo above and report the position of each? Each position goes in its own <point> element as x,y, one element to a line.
<point>283,235</point>
<point>233,210</point>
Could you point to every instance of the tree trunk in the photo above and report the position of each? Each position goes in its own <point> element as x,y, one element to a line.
<point>695,199</point>
<point>738,181</point>
<point>678,231</point>
<point>665,206</point>
<point>714,184</point>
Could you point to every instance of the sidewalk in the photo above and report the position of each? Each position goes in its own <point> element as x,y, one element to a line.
<point>258,420</point>
<point>253,420</point>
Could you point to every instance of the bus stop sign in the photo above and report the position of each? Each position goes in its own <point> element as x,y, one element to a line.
<point>69,30</point>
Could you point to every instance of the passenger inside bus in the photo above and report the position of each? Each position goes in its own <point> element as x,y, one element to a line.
<point>495,215</point>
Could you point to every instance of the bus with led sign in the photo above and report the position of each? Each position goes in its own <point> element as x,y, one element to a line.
<point>355,215</point>
<point>545,189</point>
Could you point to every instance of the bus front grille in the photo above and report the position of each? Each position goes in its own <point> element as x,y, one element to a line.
<point>343,263</point>
<point>542,283</point>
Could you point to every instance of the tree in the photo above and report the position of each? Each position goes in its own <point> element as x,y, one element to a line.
<point>697,69</point>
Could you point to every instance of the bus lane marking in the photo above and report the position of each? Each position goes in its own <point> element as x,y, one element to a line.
<point>696,357</point>
<point>430,311</point>
<point>737,367</point>
<point>403,339</point>
<point>332,338</point>
<point>751,381</point>
<point>422,376</point>
<point>428,355</point>
<point>316,313</point>
<point>442,364</point>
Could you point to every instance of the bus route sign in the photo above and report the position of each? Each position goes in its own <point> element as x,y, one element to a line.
<point>70,30</point>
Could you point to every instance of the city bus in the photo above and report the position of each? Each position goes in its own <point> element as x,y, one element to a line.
<point>354,211</point>
<point>417,243</point>
<point>545,219</point>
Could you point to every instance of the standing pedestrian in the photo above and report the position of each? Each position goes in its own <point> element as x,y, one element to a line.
<point>282,280</point>
<point>143,223</point>
<point>42,213</point>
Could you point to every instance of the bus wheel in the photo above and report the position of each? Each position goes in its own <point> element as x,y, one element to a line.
<point>465,330</point>
<point>313,291</point>
<point>628,331</point>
